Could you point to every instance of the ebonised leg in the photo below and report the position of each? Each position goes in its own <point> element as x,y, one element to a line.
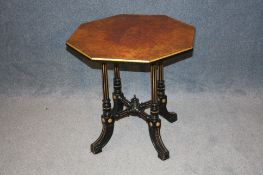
<point>154,122</point>
<point>117,93</point>
<point>162,98</point>
<point>106,118</point>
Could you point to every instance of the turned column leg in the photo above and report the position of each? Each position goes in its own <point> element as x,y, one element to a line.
<point>154,122</point>
<point>106,117</point>
<point>162,98</point>
<point>117,92</point>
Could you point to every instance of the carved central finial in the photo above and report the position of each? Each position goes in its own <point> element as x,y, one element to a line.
<point>134,105</point>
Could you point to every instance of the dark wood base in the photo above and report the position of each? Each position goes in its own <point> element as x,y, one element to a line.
<point>106,133</point>
<point>124,108</point>
<point>169,116</point>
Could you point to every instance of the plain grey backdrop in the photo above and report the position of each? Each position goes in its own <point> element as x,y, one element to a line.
<point>223,79</point>
<point>33,33</point>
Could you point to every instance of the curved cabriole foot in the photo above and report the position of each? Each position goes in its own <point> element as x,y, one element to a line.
<point>169,116</point>
<point>154,130</point>
<point>106,133</point>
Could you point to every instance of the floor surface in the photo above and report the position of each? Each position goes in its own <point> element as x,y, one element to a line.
<point>217,134</point>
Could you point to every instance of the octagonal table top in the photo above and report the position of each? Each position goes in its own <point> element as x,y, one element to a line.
<point>132,38</point>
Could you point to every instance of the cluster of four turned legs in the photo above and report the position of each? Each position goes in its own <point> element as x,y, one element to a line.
<point>157,106</point>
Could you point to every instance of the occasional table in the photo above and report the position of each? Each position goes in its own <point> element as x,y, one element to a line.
<point>145,39</point>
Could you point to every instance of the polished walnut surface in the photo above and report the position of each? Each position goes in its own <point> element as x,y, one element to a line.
<point>132,38</point>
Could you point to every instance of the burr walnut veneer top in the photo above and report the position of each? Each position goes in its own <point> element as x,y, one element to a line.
<point>132,38</point>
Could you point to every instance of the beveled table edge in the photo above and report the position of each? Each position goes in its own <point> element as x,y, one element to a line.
<point>125,60</point>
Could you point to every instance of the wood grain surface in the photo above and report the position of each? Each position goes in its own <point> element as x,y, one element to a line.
<point>132,38</point>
